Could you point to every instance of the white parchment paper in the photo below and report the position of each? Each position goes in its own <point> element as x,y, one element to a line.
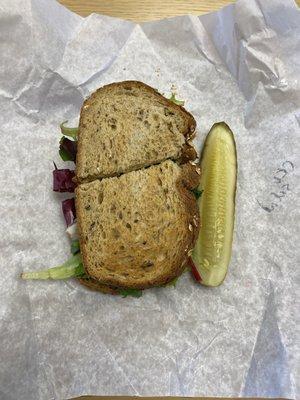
<point>58,340</point>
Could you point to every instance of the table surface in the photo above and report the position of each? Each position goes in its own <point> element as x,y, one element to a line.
<point>145,10</point>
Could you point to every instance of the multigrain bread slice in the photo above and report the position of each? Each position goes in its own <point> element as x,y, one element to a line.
<point>128,125</point>
<point>136,230</point>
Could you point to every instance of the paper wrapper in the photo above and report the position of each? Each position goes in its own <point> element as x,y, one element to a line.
<point>59,340</point>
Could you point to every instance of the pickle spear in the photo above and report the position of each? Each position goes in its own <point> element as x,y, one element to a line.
<point>212,252</point>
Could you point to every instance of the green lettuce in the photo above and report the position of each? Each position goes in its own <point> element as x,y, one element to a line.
<point>70,269</point>
<point>75,247</point>
<point>176,101</point>
<point>71,132</point>
<point>130,292</point>
<point>198,193</point>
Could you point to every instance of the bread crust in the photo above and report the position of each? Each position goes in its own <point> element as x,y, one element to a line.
<point>97,286</point>
<point>187,153</point>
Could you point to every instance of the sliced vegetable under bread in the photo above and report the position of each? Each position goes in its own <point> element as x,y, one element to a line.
<point>212,252</point>
<point>136,230</point>
<point>128,125</point>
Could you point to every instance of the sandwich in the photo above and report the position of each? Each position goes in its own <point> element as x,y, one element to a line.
<point>137,218</point>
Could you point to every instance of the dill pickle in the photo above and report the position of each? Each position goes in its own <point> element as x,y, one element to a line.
<point>212,252</point>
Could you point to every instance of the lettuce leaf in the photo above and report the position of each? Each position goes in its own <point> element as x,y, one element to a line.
<point>130,292</point>
<point>63,180</point>
<point>75,248</point>
<point>69,211</point>
<point>67,149</point>
<point>197,192</point>
<point>70,269</point>
<point>176,101</point>
<point>71,132</point>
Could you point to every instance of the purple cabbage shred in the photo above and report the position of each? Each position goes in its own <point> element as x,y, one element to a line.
<point>69,211</point>
<point>63,180</point>
<point>68,149</point>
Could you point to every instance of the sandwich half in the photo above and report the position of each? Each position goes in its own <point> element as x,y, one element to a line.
<point>136,230</point>
<point>128,125</point>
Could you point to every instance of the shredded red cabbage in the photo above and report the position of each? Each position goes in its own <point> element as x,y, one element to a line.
<point>69,211</point>
<point>63,180</point>
<point>68,149</point>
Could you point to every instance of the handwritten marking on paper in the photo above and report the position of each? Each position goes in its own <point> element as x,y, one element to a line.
<point>280,179</point>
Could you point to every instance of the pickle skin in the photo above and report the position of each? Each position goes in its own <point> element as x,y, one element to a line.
<point>218,162</point>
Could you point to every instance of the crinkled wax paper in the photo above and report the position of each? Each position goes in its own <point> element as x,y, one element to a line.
<point>58,340</point>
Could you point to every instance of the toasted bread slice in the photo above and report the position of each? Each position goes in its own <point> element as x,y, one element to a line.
<point>136,230</point>
<point>128,125</point>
